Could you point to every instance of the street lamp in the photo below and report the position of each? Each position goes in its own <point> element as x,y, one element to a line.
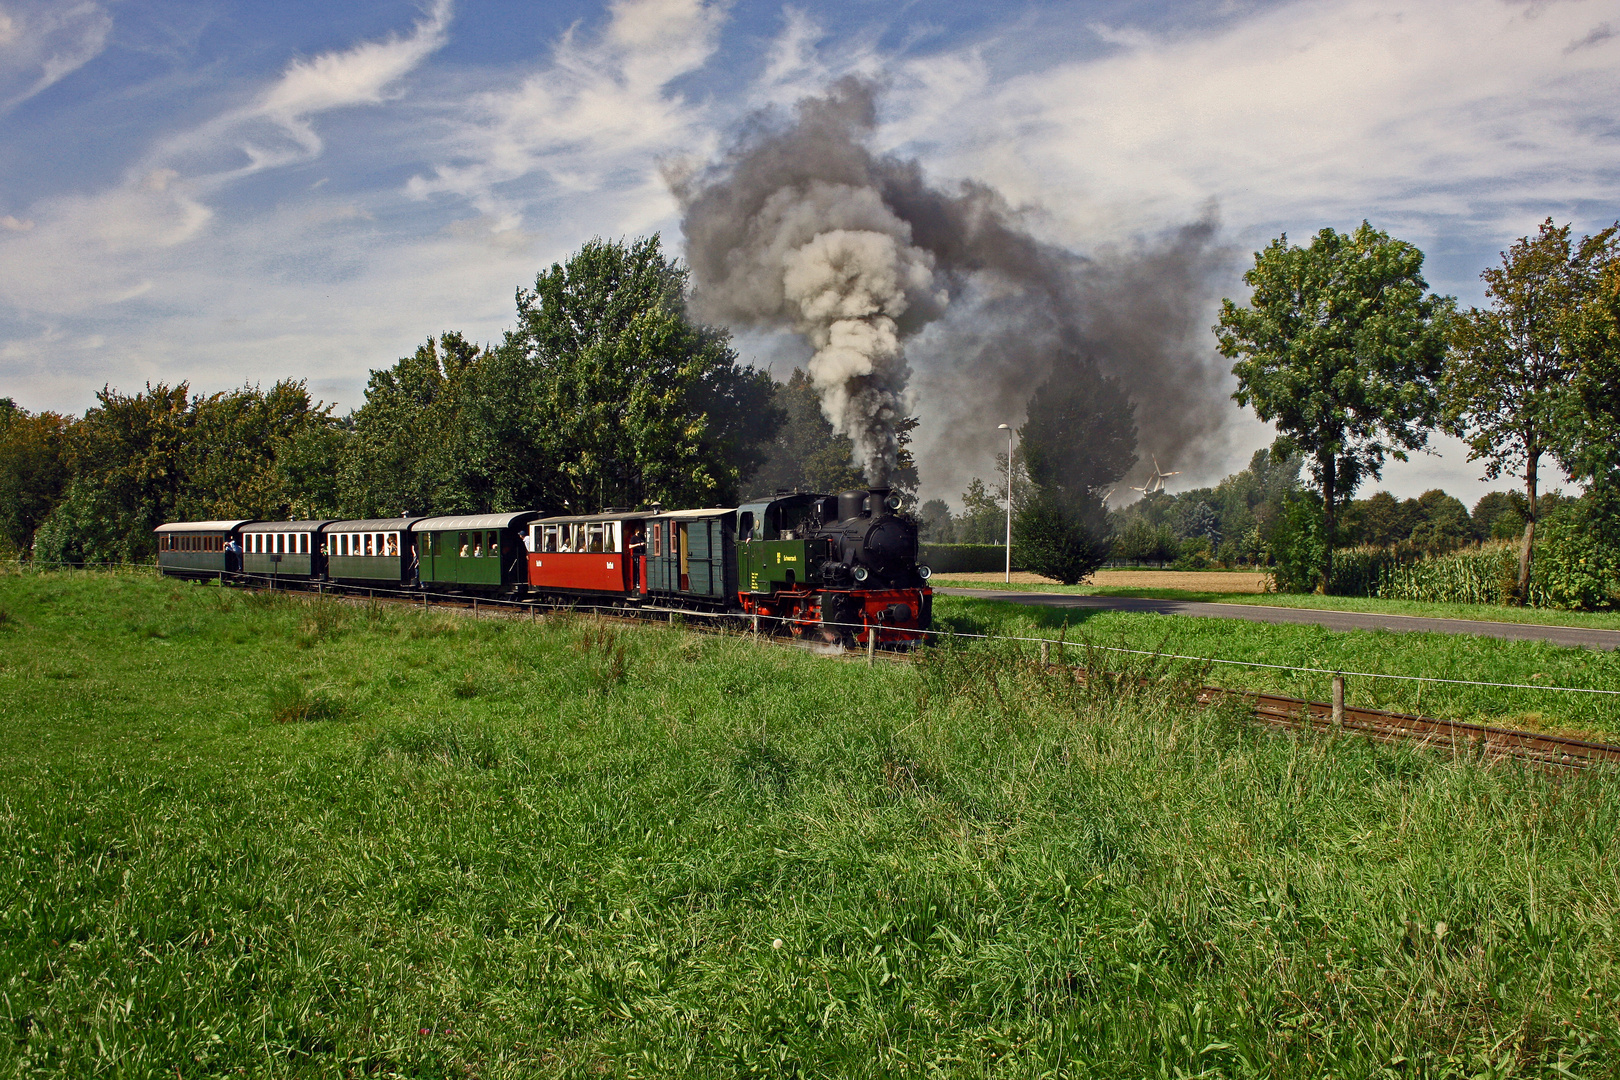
<point>1008,429</point>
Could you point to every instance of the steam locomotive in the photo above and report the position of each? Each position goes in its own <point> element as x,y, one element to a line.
<point>839,568</point>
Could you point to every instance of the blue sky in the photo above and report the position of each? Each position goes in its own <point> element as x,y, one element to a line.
<point>229,192</point>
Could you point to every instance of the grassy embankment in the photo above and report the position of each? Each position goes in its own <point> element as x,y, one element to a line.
<point>259,834</point>
<point>1118,586</point>
<point>1427,655</point>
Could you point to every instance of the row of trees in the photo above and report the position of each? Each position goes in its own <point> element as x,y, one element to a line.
<point>603,393</point>
<point>1345,350</point>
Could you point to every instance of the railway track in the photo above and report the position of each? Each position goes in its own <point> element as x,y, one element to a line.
<point>1274,710</point>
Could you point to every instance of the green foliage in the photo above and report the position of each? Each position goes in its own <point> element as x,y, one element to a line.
<point>1141,542</point>
<point>1298,543</point>
<point>165,455</point>
<point>1061,538</point>
<point>806,453</point>
<point>408,453</point>
<point>606,393</point>
<point>34,470</point>
<point>1578,559</point>
<point>1511,376</point>
<point>1340,347</point>
<point>934,522</point>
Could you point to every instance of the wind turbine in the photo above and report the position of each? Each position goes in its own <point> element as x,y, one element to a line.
<point>1156,481</point>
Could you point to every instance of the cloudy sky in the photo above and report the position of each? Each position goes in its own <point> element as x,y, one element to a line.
<point>223,192</point>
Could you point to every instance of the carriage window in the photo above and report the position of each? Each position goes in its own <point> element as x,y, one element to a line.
<point>492,544</point>
<point>461,545</point>
<point>593,538</point>
<point>393,544</point>
<point>303,543</point>
<point>658,540</point>
<point>610,542</point>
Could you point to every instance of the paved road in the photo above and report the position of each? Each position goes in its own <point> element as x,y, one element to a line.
<point>1333,620</point>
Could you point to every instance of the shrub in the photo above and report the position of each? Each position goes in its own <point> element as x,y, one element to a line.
<point>1059,539</point>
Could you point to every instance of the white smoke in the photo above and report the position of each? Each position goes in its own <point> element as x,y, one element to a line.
<point>836,264</point>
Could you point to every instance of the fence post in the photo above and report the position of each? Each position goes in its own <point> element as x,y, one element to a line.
<point>871,644</point>
<point>1338,701</point>
<point>1046,654</point>
<point>756,626</point>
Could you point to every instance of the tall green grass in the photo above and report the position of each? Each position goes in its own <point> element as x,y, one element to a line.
<point>577,850</point>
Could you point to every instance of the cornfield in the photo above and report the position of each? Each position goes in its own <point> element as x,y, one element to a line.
<point>1485,574</point>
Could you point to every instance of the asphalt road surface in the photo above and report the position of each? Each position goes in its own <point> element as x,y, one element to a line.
<point>1334,620</point>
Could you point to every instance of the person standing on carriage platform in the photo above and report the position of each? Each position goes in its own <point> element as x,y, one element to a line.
<point>233,556</point>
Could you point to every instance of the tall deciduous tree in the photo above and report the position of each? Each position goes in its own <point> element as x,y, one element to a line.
<point>1340,347</point>
<point>1512,364</point>
<point>410,448</point>
<point>607,393</point>
<point>33,470</point>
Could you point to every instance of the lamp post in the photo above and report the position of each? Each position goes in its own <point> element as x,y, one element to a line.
<point>1008,429</point>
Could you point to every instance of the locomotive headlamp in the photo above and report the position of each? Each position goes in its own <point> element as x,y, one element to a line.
<point>861,573</point>
<point>924,573</point>
<point>892,502</point>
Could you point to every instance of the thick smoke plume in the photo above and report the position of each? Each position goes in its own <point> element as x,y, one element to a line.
<point>801,226</point>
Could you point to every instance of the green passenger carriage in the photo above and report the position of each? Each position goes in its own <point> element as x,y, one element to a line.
<point>692,555</point>
<point>196,549</point>
<point>371,551</point>
<point>283,548</point>
<point>477,553</point>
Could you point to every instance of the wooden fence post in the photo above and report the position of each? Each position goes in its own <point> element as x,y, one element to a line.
<point>1338,701</point>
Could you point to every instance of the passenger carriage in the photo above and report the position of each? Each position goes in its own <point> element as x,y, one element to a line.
<point>589,555</point>
<point>283,549</point>
<point>477,553</point>
<point>196,549</point>
<point>691,557</point>
<point>379,552</point>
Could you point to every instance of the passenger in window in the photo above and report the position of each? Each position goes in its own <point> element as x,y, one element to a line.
<point>393,546</point>
<point>478,545</point>
<point>461,539</point>
<point>494,543</point>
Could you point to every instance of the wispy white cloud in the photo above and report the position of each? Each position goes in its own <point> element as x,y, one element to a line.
<point>43,41</point>
<point>91,249</point>
<point>598,115</point>
<point>1321,111</point>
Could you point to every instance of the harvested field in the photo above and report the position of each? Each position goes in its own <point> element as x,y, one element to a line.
<point>1218,581</point>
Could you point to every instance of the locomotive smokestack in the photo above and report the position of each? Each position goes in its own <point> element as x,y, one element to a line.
<point>877,501</point>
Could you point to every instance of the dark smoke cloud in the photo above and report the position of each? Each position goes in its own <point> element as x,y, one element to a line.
<point>800,226</point>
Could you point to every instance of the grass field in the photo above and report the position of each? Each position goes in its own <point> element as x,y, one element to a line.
<point>1430,656</point>
<point>1187,589</point>
<point>260,835</point>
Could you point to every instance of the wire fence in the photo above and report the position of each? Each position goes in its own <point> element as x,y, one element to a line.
<point>271,582</point>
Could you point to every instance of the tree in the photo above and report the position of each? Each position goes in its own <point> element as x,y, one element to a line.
<point>1080,435</point>
<point>1499,515</point>
<point>34,470</point>
<point>1340,348</point>
<point>934,524</point>
<point>806,454</point>
<point>1512,365</point>
<point>1591,443</point>
<point>1059,537</point>
<point>408,453</point>
<point>1442,523</point>
<point>607,393</point>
